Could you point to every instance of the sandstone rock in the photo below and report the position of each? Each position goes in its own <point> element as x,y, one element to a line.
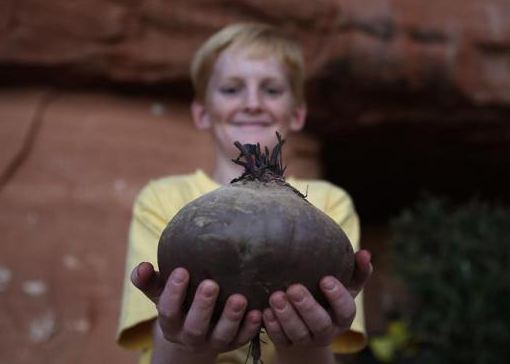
<point>5,278</point>
<point>463,45</point>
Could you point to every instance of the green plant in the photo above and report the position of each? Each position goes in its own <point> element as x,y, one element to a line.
<point>456,264</point>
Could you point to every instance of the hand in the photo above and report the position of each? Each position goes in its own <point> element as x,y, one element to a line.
<point>295,318</point>
<point>192,331</point>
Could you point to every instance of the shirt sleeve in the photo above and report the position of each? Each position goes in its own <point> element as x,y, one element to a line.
<point>137,311</point>
<point>340,208</point>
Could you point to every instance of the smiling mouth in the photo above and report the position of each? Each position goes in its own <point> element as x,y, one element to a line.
<point>252,123</point>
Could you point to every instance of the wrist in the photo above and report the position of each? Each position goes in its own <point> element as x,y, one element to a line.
<point>164,351</point>
<point>182,355</point>
<point>301,354</point>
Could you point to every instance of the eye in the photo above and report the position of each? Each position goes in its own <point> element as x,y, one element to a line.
<point>230,90</point>
<point>274,90</point>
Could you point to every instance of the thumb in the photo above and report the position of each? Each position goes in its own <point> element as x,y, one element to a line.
<point>147,280</point>
<point>362,271</point>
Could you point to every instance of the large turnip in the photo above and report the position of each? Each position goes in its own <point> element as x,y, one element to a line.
<point>255,236</point>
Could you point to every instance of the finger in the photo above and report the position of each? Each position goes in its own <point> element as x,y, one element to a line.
<point>274,329</point>
<point>316,318</point>
<point>249,328</point>
<point>147,280</point>
<point>226,329</point>
<point>170,303</point>
<point>363,270</point>
<point>197,322</point>
<point>292,325</point>
<point>341,302</point>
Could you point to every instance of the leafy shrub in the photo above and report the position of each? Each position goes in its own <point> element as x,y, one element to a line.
<point>456,264</point>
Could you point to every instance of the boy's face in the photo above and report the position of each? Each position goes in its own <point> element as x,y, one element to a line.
<point>248,99</point>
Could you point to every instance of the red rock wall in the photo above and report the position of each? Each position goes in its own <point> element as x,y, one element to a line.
<point>464,44</point>
<point>403,94</point>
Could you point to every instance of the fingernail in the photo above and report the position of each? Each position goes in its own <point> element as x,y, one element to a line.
<point>208,289</point>
<point>269,315</point>
<point>328,284</point>
<point>236,305</point>
<point>297,294</point>
<point>136,270</point>
<point>255,317</point>
<point>178,276</point>
<point>369,255</point>
<point>279,301</point>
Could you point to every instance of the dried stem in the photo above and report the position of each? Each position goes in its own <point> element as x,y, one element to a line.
<point>262,166</point>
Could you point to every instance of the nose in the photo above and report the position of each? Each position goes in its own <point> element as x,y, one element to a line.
<point>253,101</point>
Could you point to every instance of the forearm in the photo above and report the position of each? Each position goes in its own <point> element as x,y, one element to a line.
<point>294,355</point>
<point>165,352</point>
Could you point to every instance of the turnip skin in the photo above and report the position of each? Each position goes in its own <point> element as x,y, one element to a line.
<point>255,238</point>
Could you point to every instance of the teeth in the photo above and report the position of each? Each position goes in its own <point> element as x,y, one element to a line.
<point>252,123</point>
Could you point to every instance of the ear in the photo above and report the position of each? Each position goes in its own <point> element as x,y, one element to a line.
<point>298,118</point>
<point>200,115</point>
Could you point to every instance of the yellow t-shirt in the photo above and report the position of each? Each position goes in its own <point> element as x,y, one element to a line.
<point>155,206</point>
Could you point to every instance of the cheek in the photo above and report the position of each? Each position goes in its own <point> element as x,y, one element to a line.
<point>222,110</point>
<point>283,103</point>
<point>282,110</point>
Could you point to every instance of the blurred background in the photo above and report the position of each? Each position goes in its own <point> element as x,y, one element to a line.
<point>409,112</point>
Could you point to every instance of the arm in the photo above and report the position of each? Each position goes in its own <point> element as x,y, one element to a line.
<point>188,338</point>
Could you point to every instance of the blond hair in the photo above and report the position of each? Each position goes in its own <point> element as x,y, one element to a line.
<point>261,40</point>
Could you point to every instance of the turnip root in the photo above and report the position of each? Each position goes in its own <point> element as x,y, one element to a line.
<point>255,236</point>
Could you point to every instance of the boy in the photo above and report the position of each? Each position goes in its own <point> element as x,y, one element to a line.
<point>248,80</point>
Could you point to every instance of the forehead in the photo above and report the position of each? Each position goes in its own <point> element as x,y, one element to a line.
<point>248,62</point>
